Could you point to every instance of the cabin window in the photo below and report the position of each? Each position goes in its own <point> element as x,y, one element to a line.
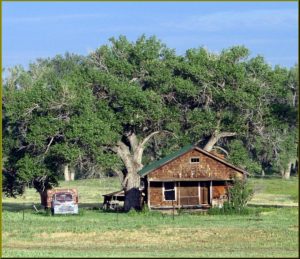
<point>195,160</point>
<point>169,191</point>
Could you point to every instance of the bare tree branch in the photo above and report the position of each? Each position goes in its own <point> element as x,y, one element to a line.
<point>146,139</point>
<point>119,173</point>
<point>98,61</point>
<point>123,152</point>
<point>215,138</point>
<point>124,183</point>
<point>50,142</point>
<point>226,134</point>
<point>225,151</point>
<point>30,110</point>
<point>133,141</point>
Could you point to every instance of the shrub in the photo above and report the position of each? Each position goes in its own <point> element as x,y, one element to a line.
<point>145,210</point>
<point>227,209</point>
<point>238,196</point>
<point>132,212</point>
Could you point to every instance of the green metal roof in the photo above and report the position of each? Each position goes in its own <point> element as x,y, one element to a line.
<point>148,168</point>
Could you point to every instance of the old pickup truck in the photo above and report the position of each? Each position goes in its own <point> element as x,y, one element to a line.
<point>60,201</point>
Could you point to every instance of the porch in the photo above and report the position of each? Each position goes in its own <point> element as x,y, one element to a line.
<point>186,194</point>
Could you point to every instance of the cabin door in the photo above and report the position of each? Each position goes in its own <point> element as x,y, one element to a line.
<point>204,192</point>
<point>188,193</point>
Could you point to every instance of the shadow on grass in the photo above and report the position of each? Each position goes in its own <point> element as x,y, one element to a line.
<point>272,206</point>
<point>90,206</point>
<point>16,207</point>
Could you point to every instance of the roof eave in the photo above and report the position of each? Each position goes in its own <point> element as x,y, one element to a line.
<point>202,151</point>
<point>151,170</point>
<point>222,161</point>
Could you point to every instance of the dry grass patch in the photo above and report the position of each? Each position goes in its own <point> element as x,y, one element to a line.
<point>273,199</point>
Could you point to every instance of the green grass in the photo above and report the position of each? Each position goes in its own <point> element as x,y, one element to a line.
<point>90,190</point>
<point>275,191</point>
<point>273,232</point>
<point>268,232</point>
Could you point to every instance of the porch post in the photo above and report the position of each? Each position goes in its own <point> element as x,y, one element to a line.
<point>148,193</point>
<point>179,194</point>
<point>210,193</point>
<point>199,193</point>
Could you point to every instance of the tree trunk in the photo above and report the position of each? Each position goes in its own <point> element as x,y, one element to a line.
<point>132,192</point>
<point>72,174</point>
<point>131,182</point>
<point>132,159</point>
<point>286,173</point>
<point>66,173</point>
<point>215,138</point>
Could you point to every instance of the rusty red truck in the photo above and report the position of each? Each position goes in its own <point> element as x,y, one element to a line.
<point>60,201</point>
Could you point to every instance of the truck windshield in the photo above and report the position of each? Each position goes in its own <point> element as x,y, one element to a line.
<point>63,197</point>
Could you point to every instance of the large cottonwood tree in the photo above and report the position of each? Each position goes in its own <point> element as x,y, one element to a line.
<point>52,121</point>
<point>130,102</point>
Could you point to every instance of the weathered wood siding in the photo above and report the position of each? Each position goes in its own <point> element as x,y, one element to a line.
<point>187,193</point>
<point>219,189</point>
<point>156,195</point>
<point>196,183</point>
<point>181,167</point>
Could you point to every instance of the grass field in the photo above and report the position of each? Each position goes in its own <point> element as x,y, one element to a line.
<point>268,232</point>
<point>275,191</point>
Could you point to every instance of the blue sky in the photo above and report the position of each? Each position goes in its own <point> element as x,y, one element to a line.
<point>44,29</point>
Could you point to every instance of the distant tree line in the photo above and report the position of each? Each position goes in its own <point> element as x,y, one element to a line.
<point>128,103</point>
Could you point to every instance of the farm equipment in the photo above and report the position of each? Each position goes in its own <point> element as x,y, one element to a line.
<point>60,201</point>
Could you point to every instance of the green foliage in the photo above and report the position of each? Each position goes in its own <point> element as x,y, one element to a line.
<point>240,156</point>
<point>73,109</point>
<point>133,213</point>
<point>227,209</point>
<point>55,121</point>
<point>145,210</point>
<point>288,151</point>
<point>28,168</point>
<point>239,194</point>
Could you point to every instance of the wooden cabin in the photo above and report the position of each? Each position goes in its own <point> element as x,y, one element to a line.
<point>188,178</point>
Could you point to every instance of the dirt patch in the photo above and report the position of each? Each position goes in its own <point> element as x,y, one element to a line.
<point>58,235</point>
<point>167,236</point>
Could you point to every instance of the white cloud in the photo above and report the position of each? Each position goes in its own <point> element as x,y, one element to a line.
<point>233,20</point>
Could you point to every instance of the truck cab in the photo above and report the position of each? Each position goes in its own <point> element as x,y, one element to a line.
<point>60,201</point>
<point>63,203</point>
